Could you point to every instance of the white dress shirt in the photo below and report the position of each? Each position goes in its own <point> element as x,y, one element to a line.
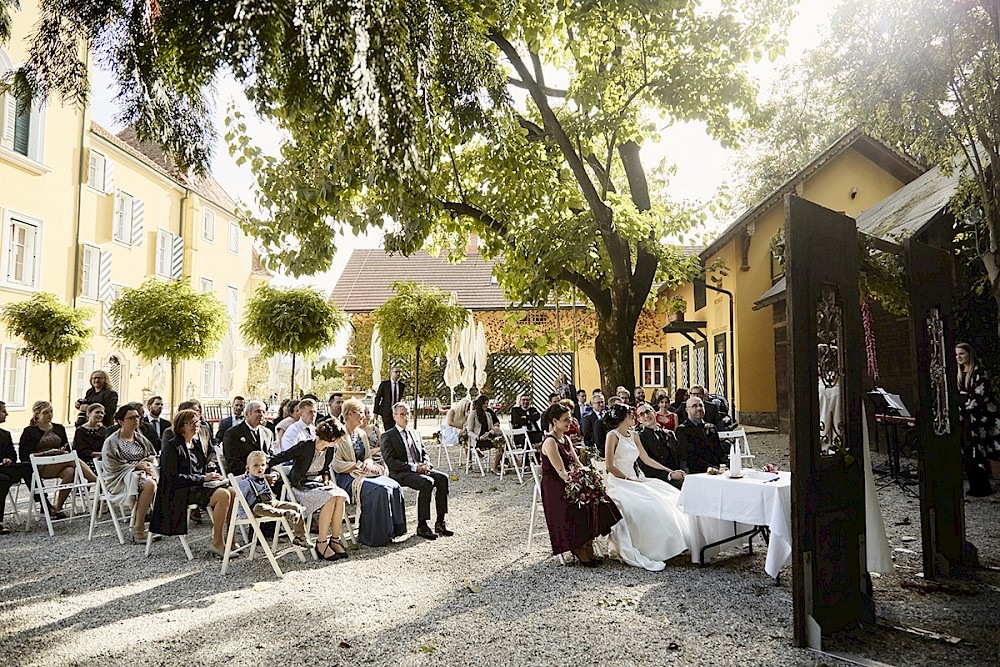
<point>296,433</point>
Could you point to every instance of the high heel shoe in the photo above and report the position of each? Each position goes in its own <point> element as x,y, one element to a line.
<point>337,555</point>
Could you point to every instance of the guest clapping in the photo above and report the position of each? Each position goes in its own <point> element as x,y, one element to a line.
<point>129,476</point>
<point>45,438</point>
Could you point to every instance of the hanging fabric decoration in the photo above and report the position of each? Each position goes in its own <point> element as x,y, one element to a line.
<point>866,318</point>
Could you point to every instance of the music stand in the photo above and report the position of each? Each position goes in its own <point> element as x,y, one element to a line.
<point>890,405</point>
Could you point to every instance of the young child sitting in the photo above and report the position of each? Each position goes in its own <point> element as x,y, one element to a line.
<point>260,496</point>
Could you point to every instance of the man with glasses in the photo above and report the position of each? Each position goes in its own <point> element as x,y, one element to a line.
<point>711,409</point>
<point>523,415</point>
<point>698,441</point>
<point>592,426</point>
<point>661,446</point>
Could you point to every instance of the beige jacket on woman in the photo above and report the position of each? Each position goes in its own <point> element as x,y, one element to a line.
<point>121,478</point>
<point>344,461</point>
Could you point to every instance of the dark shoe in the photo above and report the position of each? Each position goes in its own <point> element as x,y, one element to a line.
<point>441,529</point>
<point>337,555</point>
<point>4,530</point>
<point>57,516</point>
<point>425,532</point>
<point>196,516</point>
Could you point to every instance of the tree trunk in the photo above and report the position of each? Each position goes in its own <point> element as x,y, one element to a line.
<point>614,348</point>
<point>173,386</point>
<point>991,261</point>
<point>291,391</point>
<point>416,387</point>
<point>50,382</point>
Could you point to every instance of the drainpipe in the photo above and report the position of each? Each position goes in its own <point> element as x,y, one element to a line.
<point>732,347</point>
<point>78,250</point>
<point>179,366</point>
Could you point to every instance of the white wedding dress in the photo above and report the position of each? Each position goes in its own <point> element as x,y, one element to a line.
<point>653,530</point>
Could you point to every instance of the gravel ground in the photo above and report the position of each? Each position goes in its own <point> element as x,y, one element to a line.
<point>476,598</point>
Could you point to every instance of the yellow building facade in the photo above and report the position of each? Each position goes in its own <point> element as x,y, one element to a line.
<point>854,174</point>
<point>87,213</point>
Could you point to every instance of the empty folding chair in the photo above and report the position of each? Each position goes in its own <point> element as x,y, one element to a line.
<point>518,454</point>
<point>740,435</point>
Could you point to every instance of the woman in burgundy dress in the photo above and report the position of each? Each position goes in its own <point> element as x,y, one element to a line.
<point>571,527</point>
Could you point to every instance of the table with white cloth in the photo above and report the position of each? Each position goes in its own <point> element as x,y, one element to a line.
<point>724,509</point>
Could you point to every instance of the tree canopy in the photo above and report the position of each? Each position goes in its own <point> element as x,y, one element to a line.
<point>53,332</point>
<point>417,317</point>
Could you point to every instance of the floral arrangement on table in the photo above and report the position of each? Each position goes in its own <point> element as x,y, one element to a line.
<point>770,467</point>
<point>585,487</point>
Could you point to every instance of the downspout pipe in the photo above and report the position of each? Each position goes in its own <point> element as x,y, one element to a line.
<point>732,347</point>
<point>78,249</point>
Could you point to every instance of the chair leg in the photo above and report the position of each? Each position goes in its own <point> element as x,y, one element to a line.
<point>230,534</point>
<point>149,542</point>
<point>184,543</point>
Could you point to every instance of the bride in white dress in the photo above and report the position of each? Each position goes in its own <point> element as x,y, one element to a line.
<point>653,530</point>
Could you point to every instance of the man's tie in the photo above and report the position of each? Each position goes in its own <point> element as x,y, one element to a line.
<point>412,447</point>
<point>255,436</point>
<point>156,425</point>
<point>395,393</point>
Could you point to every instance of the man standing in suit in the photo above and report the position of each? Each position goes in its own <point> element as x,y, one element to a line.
<point>389,393</point>
<point>698,441</point>
<point>248,436</point>
<point>11,472</point>
<point>660,445</point>
<point>589,424</point>
<point>154,408</point>
<point>404,455</point>
<point>237,418</point>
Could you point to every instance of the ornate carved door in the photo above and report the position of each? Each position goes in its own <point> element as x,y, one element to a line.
<point>825,365</point>
<point>942,509</point>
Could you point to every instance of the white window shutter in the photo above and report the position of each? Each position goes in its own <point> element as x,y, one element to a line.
<point>9,116</point>
<point>109,177</point>
<point>104,290</point>
<point>137,215</point>
<point>177,258</point>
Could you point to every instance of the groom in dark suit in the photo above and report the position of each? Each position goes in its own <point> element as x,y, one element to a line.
<point>389,393</point>
<point>404,455</point>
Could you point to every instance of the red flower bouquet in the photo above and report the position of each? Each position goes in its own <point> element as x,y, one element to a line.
<point>585,487</point>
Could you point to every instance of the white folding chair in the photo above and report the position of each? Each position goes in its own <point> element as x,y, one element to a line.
<point>12,497</point>
<point>536,503</point>
<point>101,496</point>
<point>518,455</point>
<point>740,435</point>
<point>221,459</point>
<point>79,485</point>
<point>442,447</point>
<point>243,516</point>
<point>288,493</point>
<point>183,538</point>
<point>472,453</point>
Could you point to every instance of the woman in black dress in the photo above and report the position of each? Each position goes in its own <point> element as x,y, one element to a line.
<point>980,418</point>
<point>571,527</point>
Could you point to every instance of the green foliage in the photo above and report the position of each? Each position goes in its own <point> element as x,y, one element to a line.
<point>168,319</point>
<point>882,276</point>
<point>540,338</point>
<point>417,317</point>
<point>53,332</point>
<point>292,320</point>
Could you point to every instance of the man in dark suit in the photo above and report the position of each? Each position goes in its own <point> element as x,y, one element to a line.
<point>335,408</point>
<point>524,416</point>
<point>589,423</point>
<point>698,441</point>
<point>660,444</point>
<point>404,455</point>
<point>11,472</point>
<point>157,424</point>
<point>235,419</point>
<point>247,436</point>
<point>389,393</point>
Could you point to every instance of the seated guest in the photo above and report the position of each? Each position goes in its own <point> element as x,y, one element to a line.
<point>698,441</point>
<point>571,527</point>
<point>553,398</point>
<point>483,426</point>
<point>157,424</point>
<point>186,480</point>
<point>88,441</point>
<point>304,428</point>
<point>250,435</point>
<point>624,394</point>
<point>582,403</point>
<point>293,416</point>
<point>335,407</point>
<point>589,425</point>
<point>523,415</point>
<point>660,445</point>
<point>640,396</point>
<point>44,438</point>
<point>711,409</point>
<point>379,498</point>
<point>404,454</point>
<point>680,397</point>
<point>664,417</point>
<point>11,472</point>
<point>264,502</point>
<point>145,428</point>
<point>203,436</point>
<point>455,421</point>
<point>100,391</point>
<point>314,488</point>
<point>235,419</point>
<point>128,469</point>
<point>283,414</point>
<point>574,426</point>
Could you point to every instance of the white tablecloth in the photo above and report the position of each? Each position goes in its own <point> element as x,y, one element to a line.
<point>710,499</point>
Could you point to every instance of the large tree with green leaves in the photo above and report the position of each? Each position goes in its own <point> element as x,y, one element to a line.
<point>520,121</point>
<point>53,332</point>
<point>417,319</point>
<point>169,319</point>
<point>290,320</point>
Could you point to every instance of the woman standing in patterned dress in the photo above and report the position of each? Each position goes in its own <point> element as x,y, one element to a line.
<point>980,420</point>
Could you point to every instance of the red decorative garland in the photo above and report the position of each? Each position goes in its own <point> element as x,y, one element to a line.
<point>866,318</point>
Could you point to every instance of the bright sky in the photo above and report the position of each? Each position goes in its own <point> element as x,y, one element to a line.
<point>702,165</point>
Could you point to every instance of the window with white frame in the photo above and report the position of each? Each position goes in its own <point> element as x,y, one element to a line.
<point>96,170</point>
<point>232,303</point>
<point>21,122</point>
<point>22,247</point>
<point>122,225</point>
<point>85,365</point>
<point>13,377</point>
<point>651,368</point>
<point>210,378</point>
<point>90,272</point>
<point>207,285</point>
<point>208,224</point>
<point>164,253</point>
<point>234,238</point>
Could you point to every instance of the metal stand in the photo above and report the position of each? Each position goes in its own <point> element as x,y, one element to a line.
<point>763,531</point>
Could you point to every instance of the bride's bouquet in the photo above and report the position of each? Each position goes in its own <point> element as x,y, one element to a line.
<point>585,487</point>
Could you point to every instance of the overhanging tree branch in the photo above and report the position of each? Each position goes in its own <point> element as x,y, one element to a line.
<point>549,92</point>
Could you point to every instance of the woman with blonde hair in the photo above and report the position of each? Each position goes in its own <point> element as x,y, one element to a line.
<point>45,438</point>
<point>379,498</point>
<point>454,421</point>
